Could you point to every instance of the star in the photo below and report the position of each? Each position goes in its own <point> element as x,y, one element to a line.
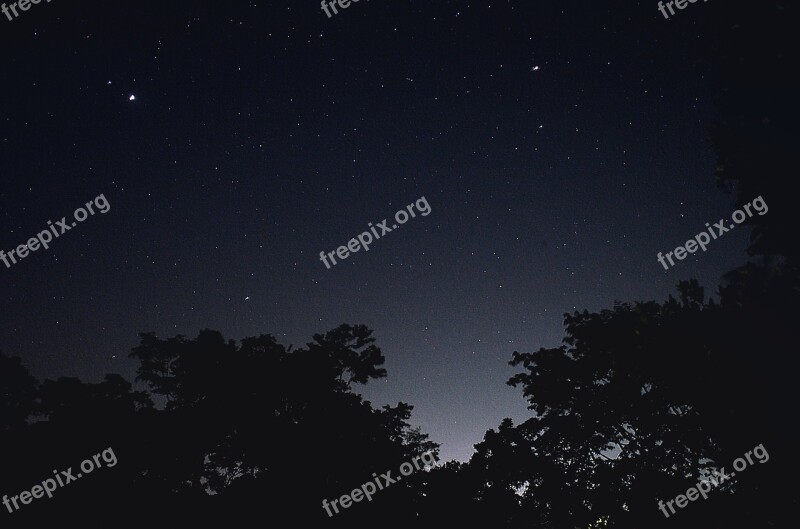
<point>132,97</point>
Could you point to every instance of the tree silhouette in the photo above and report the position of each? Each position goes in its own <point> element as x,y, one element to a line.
<point>19,391</point>
<point>641,402</point>
<point>240,425</point>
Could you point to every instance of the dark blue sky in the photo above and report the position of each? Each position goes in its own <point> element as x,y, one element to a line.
<point>262,133</point>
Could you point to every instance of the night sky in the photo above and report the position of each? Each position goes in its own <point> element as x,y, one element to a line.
<point>560,148</point>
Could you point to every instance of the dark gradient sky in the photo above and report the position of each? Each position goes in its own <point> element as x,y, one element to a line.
<point>262,133</point>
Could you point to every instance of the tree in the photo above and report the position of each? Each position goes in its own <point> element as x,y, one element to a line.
<point>19,391</point>
<point>261,420</point>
